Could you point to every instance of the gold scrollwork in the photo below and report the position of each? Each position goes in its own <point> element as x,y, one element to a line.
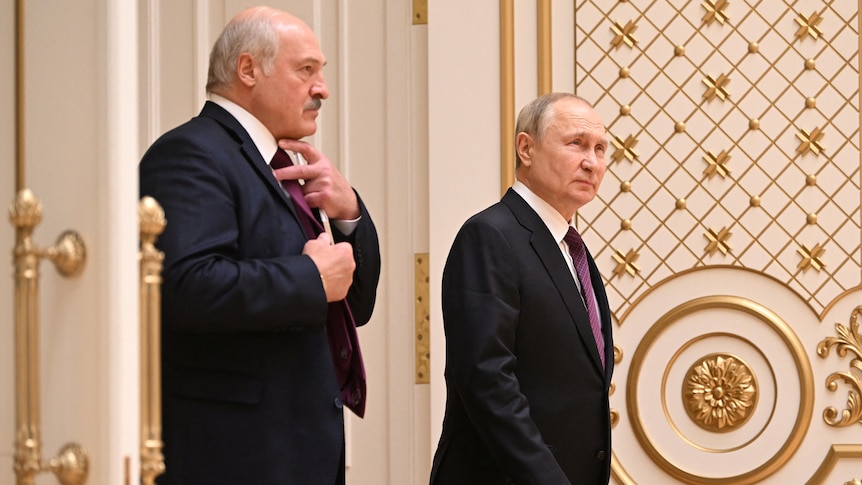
<point>720,392</point>
<point>849,340</point>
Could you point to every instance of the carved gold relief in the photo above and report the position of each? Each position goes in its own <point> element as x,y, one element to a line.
<point>624,149</point>
<point>626,263</point>
<point>719,392</point>
<point>849,340</point>
<point>716,164</point>
<point>718,241</point>
<point>811,257</point>
<point>715,11</point>
<point>808,26</point>
<point>640,375</point>
<point>624,34</point>
<point>810,141</point>
<point>716,87</point>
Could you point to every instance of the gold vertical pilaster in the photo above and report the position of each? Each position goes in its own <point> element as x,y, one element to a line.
<point>152,222</point>
<point>422,309</point>
<point>507,94</point>
<point>544,42</point>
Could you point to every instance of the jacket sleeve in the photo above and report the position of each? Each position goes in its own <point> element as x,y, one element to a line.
<point>480,297</point>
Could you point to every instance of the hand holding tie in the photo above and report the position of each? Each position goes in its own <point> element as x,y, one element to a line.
<point>325,187</point>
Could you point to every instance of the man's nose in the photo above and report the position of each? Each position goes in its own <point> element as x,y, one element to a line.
<point>319,88</point>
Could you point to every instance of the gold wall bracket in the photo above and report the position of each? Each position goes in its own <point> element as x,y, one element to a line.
<point>71,465</point>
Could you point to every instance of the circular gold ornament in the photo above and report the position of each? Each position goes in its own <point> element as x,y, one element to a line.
<point>720,392</point>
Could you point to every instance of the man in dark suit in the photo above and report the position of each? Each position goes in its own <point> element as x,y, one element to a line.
<point>252,392</point>
<point>527,377</point>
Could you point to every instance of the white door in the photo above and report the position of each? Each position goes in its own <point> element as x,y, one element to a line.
<point>78,141</point>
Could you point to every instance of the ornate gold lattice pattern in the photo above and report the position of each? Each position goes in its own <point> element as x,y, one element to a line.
<point>746,137</point>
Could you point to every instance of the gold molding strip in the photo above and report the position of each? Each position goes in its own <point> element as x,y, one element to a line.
<point>835,454</point>
<point>544,47</point>
<point>422,312</point>
<point>507,94</point>
<point>151,218</point>
<point>19,96</point>
<point>420,12</point>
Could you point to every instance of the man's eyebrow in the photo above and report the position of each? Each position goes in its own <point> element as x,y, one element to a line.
<point>312,60</point>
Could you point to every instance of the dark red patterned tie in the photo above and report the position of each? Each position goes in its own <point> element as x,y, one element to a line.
<point>340,326</point>
<point>582,268</point>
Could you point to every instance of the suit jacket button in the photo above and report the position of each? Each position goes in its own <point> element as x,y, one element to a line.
<point>601,455</point>
<point>343,353</point>
<point>338,403</point>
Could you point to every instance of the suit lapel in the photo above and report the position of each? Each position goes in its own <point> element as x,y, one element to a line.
<point>548,252</point>
<point>248,149</point>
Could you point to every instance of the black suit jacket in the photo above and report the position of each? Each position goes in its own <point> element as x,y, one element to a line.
<point>249,389</point>
<point>527,399</point>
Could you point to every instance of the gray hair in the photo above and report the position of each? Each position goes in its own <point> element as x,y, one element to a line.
<point>254,34</point>
<point>535,117</point>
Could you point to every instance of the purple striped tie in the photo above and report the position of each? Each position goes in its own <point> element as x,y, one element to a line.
<point>340,326</point>
<point>579,259</point>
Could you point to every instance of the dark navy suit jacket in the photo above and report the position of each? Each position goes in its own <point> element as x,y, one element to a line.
<point>249,389</point>
<point>527,399</point>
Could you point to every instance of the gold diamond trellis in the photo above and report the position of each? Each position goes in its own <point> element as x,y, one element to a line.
<point>790,210</point>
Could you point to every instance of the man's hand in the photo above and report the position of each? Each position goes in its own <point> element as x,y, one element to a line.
<point>334,263</point>
<point>325,187</point>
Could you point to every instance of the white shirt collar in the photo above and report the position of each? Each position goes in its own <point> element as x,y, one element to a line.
<point>552,219</point>
<point>260,135</point>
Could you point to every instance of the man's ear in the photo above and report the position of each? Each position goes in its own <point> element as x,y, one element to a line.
<point>524,146</point>
<point>246,69</point>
